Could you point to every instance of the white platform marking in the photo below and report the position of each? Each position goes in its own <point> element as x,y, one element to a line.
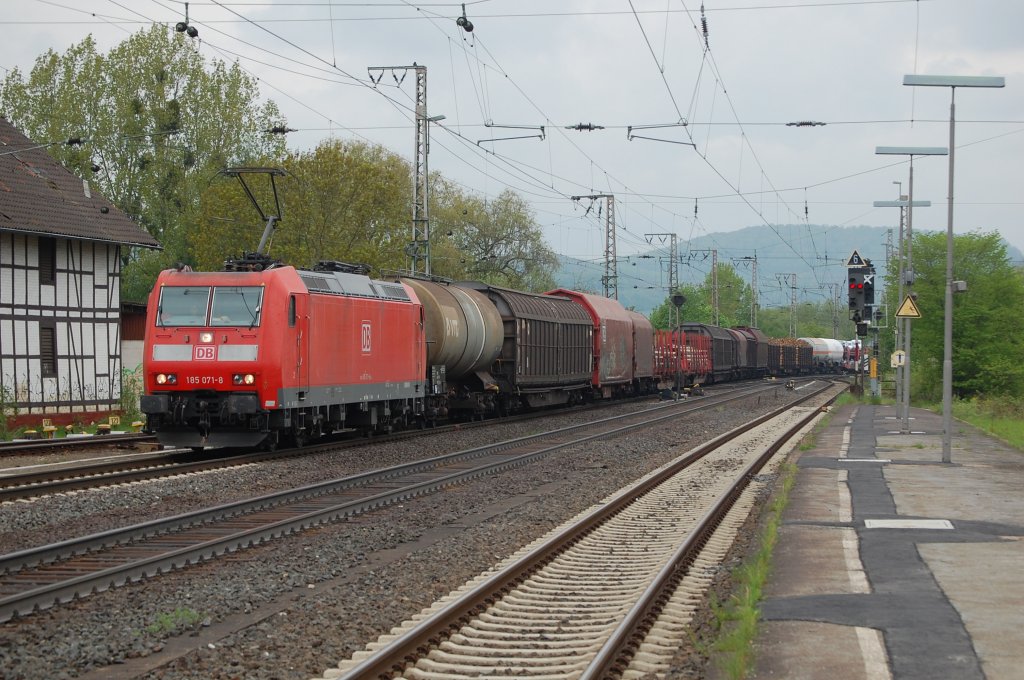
<point>864,460</point>
<point>845,501</point>
<point>908,524</point>
<point>872,650</point>
<point>854,567</point>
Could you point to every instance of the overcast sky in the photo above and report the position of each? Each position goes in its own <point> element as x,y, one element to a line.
<point>622,63</point>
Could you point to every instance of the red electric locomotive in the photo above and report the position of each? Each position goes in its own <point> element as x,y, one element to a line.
<point>238,358</point>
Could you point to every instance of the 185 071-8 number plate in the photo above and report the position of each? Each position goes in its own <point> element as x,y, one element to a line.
<point>204,380</point>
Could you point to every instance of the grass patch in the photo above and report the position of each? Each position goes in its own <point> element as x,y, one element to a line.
<point>181,618</point>
<point>811,439</point>
<point>1003,417</point>
<point>847,398</point>
<point>736,620</point>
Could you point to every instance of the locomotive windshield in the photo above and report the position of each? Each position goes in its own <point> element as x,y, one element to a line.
<point>183,305</point>
<point>190,306</point>
<point>236,306</point>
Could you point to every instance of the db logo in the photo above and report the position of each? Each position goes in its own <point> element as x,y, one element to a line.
<point>204,353</point>
<point>366,337</point>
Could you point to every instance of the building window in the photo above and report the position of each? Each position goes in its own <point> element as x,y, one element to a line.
<point>47,260</point>
<point>48,349</point>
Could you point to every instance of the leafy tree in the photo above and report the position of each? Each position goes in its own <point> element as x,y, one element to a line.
<point>157,120</point>
<point>988,327</point>
<point>774,322</point>
<point>734,300</point>
<point>350,201</point>
<point>496,241</point>
<point>664,315</point>
<point>161,123</point>
<point>810,320</point>
<point>344,201</point>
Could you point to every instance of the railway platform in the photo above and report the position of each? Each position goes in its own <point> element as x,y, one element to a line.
<point>893,564</point>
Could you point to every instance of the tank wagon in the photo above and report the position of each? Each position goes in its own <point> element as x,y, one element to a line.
<point>826,354</point>
<point>259,355</point>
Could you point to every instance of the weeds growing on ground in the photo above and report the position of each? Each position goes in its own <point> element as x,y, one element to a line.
<point>1003,417</point>
<point>736,620</point>
<point>181,618</point>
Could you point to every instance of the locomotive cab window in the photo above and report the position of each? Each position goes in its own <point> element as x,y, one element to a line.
<point>183,306</point>
<point>236,306</point>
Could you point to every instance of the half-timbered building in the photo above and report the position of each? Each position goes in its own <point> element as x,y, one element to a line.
<point>60,270</point>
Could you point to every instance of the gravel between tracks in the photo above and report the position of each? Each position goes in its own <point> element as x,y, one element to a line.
<point>315,598</point>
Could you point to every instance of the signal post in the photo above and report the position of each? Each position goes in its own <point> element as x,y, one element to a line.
<point>861,297</point>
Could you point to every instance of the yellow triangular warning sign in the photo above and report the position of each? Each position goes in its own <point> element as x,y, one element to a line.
<point>908,310</point>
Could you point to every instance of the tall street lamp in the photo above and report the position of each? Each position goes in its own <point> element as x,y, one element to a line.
<point>904,202</point>
<point>678,300</point>
<point>909,151</point>
<point>952,82</point>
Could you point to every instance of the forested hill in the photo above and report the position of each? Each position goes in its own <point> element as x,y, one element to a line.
<point>817,254</point>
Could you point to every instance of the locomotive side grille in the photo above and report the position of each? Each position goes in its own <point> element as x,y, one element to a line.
<point>352,285</point>
<point>317,283</point>
<point>391,291</point>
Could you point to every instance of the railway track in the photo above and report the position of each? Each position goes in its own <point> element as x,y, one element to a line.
<point>610,594</point>
<point>73,443</point>
<point>43,480</point>
<point>16,483</point>
<point>38,578</point>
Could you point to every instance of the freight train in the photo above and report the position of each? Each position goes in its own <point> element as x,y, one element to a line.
<point>256,355</point>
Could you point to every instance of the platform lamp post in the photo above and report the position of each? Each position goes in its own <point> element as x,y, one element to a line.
<point>678,300</point>
<point>898,325</point>
<point>952,82</point>
<point>901,204</point>
<point>910,151</point>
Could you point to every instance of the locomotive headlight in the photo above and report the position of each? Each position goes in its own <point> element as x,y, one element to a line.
<point>249,379</point>
<point>243,379</point>
<point>206,337</point>
<point>166,379</point>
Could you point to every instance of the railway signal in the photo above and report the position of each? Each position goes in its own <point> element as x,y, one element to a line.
<point>856,292</point>
<point>861,291</point>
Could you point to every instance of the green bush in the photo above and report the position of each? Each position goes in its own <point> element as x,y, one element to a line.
<point>8,409</point>
<point>1002,416</point>
<point>181,618</point>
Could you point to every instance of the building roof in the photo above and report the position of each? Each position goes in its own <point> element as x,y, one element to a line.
<point>38,195</point>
